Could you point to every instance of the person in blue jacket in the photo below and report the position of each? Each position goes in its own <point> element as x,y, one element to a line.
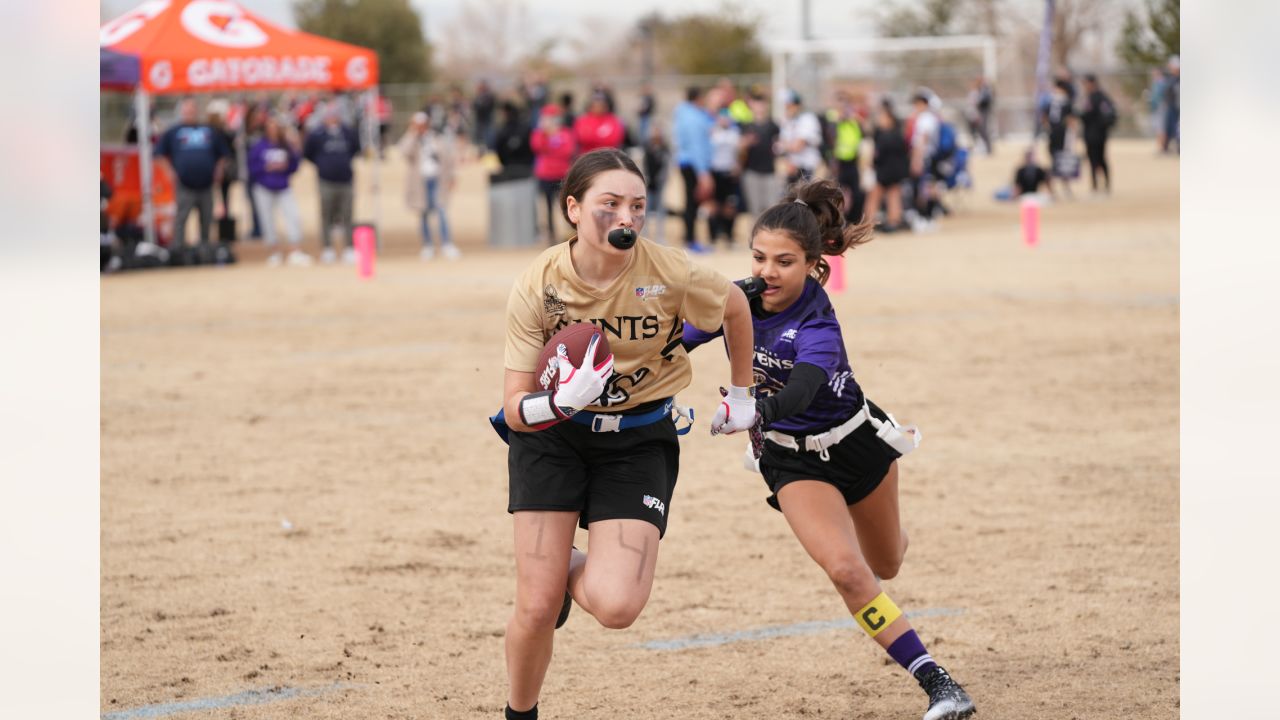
<point>691,130</point>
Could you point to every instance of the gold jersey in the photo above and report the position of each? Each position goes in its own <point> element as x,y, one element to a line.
<point>641,313</point>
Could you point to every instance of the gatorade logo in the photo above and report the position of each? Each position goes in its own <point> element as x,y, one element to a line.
<point>161,74</point>
<point>222,23</point>
<point>358,70</point>
<point>131,22</point>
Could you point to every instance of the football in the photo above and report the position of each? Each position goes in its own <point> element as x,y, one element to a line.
<point>575,338</point>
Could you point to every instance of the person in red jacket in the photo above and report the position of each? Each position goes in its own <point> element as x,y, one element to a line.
<point>597,127</point>
<point>553,151</point>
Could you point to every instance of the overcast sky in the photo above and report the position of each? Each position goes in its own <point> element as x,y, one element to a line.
<point>830,18</point>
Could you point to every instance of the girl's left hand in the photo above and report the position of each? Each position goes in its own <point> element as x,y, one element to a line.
<point>737,411</point>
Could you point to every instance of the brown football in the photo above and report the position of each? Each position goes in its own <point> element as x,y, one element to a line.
<point>575,338</point>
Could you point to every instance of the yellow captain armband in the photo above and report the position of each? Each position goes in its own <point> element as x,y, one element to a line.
<point>877,615</point>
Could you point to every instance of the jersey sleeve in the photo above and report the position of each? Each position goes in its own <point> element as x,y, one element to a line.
<point>693,337</point>
<point>819,343</point>
<point>705,298</point>
<point>524,331</point>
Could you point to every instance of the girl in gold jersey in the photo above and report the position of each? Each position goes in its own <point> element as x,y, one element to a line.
<point>600,451</point>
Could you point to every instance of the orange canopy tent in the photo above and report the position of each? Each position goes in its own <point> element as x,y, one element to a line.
<point>193,46</point>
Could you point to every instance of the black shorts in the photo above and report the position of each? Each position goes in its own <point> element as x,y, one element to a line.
<point>847,175</point>
<point>888,177</point>
<point>727,189</point>
<point>601,475</point>
<point>858,463</point>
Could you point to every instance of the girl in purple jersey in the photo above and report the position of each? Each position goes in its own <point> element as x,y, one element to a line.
<point>828,454</point>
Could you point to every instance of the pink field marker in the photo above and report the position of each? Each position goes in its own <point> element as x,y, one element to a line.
<point>835,282</point>
<point>1030,222</point>
<point>366,250</point>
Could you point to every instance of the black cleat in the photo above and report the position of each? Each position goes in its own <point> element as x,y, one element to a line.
<point>564,610</point>
<point>947,700</point>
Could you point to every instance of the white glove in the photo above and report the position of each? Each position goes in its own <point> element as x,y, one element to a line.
<point>737,411</point>
<point>581,386</point>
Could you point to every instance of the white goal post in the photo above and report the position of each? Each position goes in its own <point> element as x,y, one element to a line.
<point>784,50</point>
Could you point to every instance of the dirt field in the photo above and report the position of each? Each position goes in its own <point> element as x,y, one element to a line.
<point>301,494</point>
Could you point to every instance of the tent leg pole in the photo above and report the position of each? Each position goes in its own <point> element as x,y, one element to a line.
<point>372,141</point>
<point>143,112</point>
<point>242,174</point>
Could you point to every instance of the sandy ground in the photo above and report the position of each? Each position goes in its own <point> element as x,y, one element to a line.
<point>300,492</point>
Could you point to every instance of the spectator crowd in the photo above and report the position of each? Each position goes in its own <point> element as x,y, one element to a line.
<point>894,161</point>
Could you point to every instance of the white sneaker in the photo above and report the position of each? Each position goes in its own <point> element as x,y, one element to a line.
<point>428,253</point>
<point>297,258</point>
<point>451,251</point>
<point>327,256</point>
<point>349,256</point>
<point>274,260</point>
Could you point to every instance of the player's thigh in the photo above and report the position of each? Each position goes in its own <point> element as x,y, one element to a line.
<point>818,516</point>
<point>879,525</point>
<point>622,556</point>
<point>543,540</point>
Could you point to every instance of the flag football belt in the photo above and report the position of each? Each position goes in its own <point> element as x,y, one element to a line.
<point>601,422</point>
<point>604,422</point>
<point>904,440</point>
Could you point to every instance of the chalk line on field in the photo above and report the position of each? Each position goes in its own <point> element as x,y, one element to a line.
<point>775,631</point>
<point>248,697</point>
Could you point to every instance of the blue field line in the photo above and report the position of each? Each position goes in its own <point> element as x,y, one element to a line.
<point>776,631</point>
<point>248,697</point>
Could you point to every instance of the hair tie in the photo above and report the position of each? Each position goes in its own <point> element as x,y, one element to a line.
<point>801,202</point>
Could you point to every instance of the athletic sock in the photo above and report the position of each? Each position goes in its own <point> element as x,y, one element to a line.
<point>530,714</point>
<point>910,654</point>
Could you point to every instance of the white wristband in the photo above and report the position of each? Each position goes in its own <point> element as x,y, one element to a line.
<point>536,409</point>
<point>741,393</point>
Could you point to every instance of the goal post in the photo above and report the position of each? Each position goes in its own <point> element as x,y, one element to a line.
<point>786,53</point>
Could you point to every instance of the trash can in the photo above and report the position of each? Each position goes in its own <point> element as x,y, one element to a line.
<point>513,199</point>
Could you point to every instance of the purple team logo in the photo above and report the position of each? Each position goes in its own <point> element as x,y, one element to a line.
<point>765,385</point>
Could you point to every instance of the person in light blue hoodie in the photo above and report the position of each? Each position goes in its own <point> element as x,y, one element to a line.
<point>691,130</point>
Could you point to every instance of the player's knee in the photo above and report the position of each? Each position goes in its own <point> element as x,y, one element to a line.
<point>617,614</point>
<point>886,568</point>
<point>851,576</point>
<point>538,612</point>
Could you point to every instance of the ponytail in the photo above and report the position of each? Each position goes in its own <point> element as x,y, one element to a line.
<point>812,214</point>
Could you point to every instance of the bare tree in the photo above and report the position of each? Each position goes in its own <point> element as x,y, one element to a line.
<point>605,47</point>
<point>1074,23</point>
<point>487,38</point>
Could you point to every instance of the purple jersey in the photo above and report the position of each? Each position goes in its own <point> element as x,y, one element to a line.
<point>806,332</point>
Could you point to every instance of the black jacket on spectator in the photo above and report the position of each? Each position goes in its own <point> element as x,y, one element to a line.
<point>331,151</point>
<point>760,156</point>
<point>1099,114</point>
<point>1029,178</point>
<point>512,147</point>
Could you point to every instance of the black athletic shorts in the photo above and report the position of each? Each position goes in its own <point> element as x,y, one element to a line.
<point>727,188</point>
<point>858,463</point>
<point>847,175</point>
<point>602,475</point>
